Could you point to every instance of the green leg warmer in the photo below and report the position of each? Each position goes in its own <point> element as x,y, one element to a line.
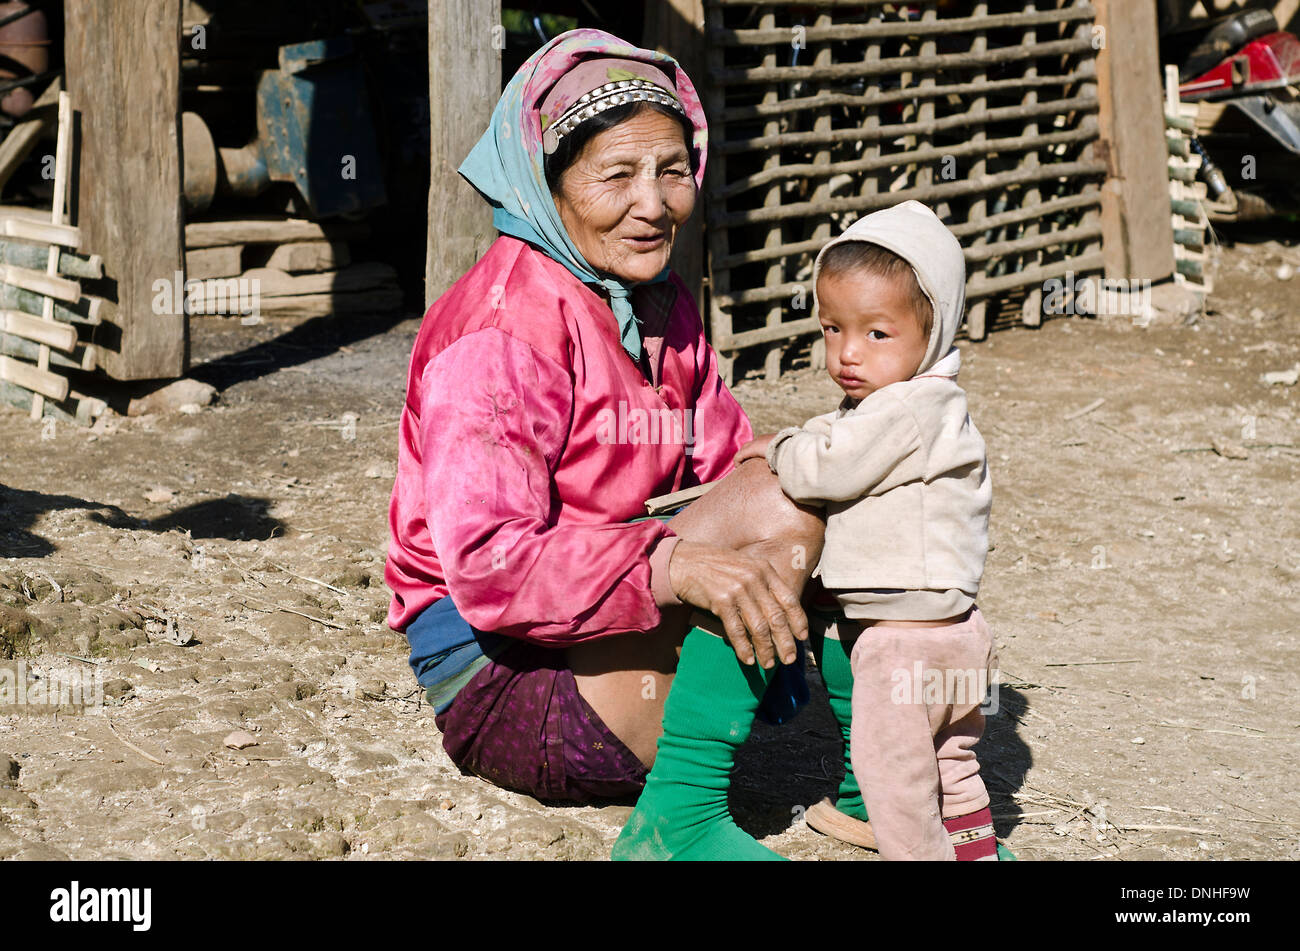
<point>682,813</point>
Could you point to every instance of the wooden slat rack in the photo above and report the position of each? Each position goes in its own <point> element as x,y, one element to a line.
<point>823,112</point>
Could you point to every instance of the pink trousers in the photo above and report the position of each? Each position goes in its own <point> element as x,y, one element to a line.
<point>917,694</point>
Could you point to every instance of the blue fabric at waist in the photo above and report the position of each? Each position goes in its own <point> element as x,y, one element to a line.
<point>446,651</point>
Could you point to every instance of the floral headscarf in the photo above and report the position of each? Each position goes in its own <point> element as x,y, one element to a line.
<point>506,165</point>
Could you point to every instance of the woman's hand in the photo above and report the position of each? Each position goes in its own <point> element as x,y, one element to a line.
<point>754,449</point>
<point>760,612</point>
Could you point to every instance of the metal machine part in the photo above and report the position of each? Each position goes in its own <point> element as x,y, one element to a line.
<point>1281,120</point>
<point>313,130</point>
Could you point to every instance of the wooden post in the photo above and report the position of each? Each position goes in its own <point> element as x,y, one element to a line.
<point>58,216</point>
<point>465,40</point>
<point>123,76</point>
<point>1031,310</point>
<point>772,199</point>
<point>676,27</point>
<point>719,322</point>
<point>1138,237</point>
<point>977,311</point>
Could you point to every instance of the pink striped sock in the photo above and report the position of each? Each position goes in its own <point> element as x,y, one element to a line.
<point>972,836</point>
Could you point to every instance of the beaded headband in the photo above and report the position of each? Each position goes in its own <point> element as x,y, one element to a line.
<point>616,93</point>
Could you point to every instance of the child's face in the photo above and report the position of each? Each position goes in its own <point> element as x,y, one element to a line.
<point>873,338</point>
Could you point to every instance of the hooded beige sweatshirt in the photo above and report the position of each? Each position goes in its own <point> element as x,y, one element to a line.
<point>903,473</point>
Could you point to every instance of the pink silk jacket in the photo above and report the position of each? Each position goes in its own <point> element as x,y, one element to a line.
<point>529,439</point>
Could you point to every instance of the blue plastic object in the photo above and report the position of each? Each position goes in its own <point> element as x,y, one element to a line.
<point>787,693</point>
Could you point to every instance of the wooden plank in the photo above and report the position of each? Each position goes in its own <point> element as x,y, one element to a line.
<point>75,408</point>
<point>875,97</point>
<point>223,261</point>
<point>39,282</point>
<point>464,84</point>
<point>318,305</point>
<point>40,232</point>
<point>85,311</point>
<point>1138,238</point>
<point>358,277</point>
<point>90,267</point>
<point>876,30</point>
<point>931,64</point>
<point>1054,107</point>
<point>81,357</point>
<point>22,138</point>
<point>211,234</point>
<point>310,256</point>
<point>51,333</point>
<point>128,201</point>
<point>41,382</point>
<point>676,27</point>
<point>1018,176</point>
<point>976,254</point>
<point>929,154</point>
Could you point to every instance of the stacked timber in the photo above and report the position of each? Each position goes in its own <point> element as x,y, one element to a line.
<point>282,268</point>
<point>45,320</point>
<point>1187,195</point>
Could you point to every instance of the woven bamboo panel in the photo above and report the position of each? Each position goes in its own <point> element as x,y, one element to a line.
<point>823,112</point>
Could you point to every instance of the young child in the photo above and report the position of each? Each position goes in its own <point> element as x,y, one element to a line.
<point>902,473</point>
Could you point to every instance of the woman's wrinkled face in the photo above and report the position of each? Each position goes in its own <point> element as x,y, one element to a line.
<point>626,194</point>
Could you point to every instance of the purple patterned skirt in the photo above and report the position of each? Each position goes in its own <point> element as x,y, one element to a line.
<point>521,724</point>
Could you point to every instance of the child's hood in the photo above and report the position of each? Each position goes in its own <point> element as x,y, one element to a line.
<point>915,233</point>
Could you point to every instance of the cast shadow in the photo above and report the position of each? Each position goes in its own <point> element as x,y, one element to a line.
<point>19,510</point>
<point>235,517</point>
<point>312,339</point>
<point>781,771</point>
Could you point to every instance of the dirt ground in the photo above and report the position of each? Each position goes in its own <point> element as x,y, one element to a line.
<point>1143,586</point>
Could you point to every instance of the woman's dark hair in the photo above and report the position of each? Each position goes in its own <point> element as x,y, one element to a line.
<point>571,145</point>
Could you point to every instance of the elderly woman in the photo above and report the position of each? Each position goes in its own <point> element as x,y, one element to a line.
<point>561,382</point>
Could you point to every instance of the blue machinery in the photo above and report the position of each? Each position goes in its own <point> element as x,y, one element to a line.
<point>313,129</point>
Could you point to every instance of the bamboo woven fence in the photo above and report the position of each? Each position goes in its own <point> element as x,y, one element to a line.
<point>825,111</point>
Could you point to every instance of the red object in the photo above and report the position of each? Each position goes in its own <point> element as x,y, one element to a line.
<point>26,41</point>
<point>1264,63</point>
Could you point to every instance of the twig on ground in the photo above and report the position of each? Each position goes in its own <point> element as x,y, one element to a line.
<point>1147,828</point>
<point>323,584</point>
<point>1094,663</point>
<point>1237,805</point>
<point>1202,729</point>
<point>84,660</point>
<point>246,572</point>
<point>131,746</point>
<point>310,617</point>
<point>1208,815</point>
<point>1086,410</point>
